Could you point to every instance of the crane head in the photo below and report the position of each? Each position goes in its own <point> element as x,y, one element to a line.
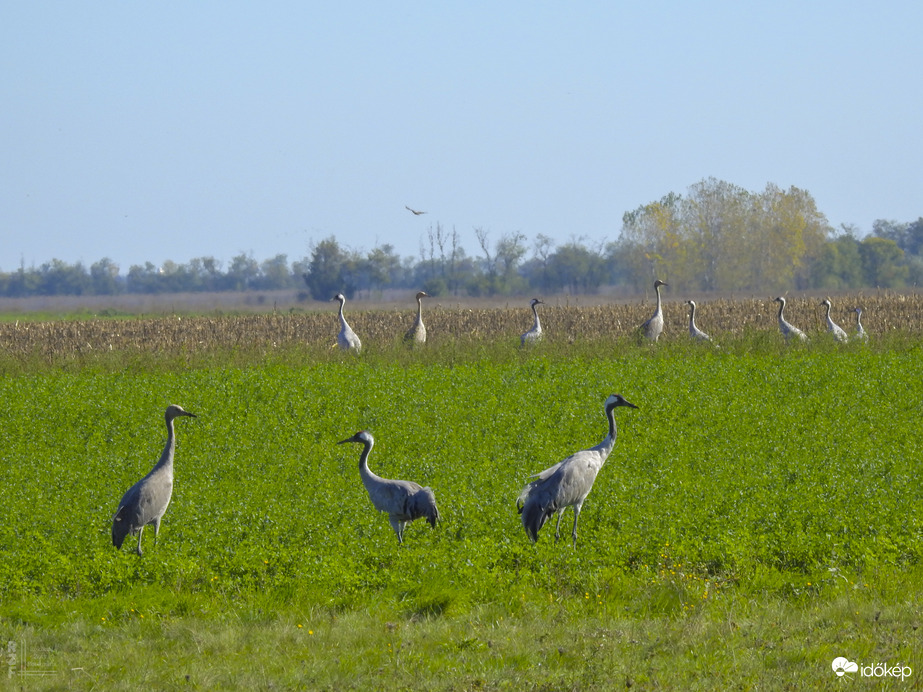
<point>422,294</point>
<point>536,301</point>
<point>340,297</point>
<point>363,437</point>
<point>173,411</point>
<point>658,282</point>
<point>617,400</point>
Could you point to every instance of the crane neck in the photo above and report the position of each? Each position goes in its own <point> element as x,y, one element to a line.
<point>364,459</point>
<point>609,440</point>
<point>657,291</point>
<point>166,457</point>
<point>781,308</point>
<point>536,325</point>
<point>419,310</point>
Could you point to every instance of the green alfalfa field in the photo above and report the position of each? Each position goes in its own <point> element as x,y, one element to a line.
<point>760,516</point>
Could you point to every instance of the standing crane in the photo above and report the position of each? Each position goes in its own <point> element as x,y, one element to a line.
<point>788,330</point>
<point>567,483</point>
<point>654,326</point>
<point>417,333</point>
<point>346,339</point>
<point>404,501</point>
<point>534,335</point>
<point>861,334</point>
<point>832,326</point>
<point>147,500</point>
<point>694,331</point>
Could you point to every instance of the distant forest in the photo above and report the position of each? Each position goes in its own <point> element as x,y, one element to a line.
<point>717,237</point>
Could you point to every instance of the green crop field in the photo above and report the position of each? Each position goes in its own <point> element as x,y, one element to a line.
<point>760,515</point>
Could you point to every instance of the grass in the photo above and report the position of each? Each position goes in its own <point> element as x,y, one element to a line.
<point>760,516</point>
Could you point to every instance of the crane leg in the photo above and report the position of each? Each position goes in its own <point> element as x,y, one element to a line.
<point>138,547</point>
<point>576,517</point>
<point>557,526</point>
<point>398,527</point>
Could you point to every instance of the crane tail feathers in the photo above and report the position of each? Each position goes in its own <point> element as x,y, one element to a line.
<point>424,505</point>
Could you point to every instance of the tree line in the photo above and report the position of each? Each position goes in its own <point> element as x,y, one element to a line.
<point>716,237</point>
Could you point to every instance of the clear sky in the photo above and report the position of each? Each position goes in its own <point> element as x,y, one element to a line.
<point>173,130</point>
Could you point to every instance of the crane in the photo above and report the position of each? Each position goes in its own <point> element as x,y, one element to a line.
<point>654,326</point>
<point>694,331</point>
<point>832,326</point>
<point>417,333</point>
<point>404,501</point>
<point>346,339</point>
<point>567,483</point>
<point>861,334</point>
<point>534,335</point>
<point>788,330</point>
<point>413,211</point>
<point>146,501</point>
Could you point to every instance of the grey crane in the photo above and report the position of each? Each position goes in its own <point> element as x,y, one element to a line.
<point>417,333</point>
<point>861,334</point>
<point>835,330</point>
<point>413,211</point>
<point>346,339</point>
<point>147,500</point>
<point>567,483</point>
<point>404,501</point>
<point>654,326</point>
<point>534,335</point>
<point>788,330</point>
<point>694,331</point>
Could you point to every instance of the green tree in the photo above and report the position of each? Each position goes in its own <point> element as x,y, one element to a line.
<point>576,269</point>
<point>275,274</point>
<point>883,263</point>
<point>104,277</point>
<point>329,271</point>
<point>839,265</point>
<point>57,278</point>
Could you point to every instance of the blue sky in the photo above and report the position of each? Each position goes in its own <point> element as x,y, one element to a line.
<point>173,130</point>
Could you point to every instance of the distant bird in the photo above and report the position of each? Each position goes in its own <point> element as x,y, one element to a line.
<point>147,500</point>
<point>417,333</point>
<point>654,326</point>
<point>346,339</point>
<point>413,211</point>
<point>694,331</point>
<point>534,335</point>
<point>832,327</point>
<point>567,483</point>
<point>788,330</point>
<point>404,501</point>
<point>861,334</point>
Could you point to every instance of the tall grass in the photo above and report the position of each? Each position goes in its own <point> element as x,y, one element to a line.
<point>762,502</point>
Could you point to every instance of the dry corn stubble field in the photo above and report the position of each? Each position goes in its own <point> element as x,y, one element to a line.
<point>564,321</point>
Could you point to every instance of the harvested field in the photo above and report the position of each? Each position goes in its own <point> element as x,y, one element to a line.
<point>883,313</point>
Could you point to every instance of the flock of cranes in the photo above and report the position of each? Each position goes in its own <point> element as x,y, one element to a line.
<point>566,484</point>
<point>650,330</point>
